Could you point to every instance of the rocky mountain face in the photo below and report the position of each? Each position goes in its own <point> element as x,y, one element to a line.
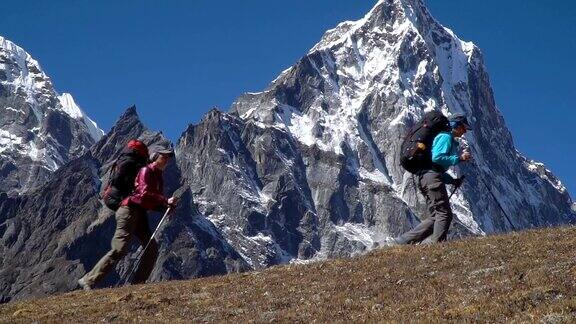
<point>275,199</point>
<point>309,167</point>
<point>40,130</point>
<point>305,170</point>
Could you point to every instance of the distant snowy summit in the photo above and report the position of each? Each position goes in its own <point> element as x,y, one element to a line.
<point>40,130</point>
<point>73,110</point>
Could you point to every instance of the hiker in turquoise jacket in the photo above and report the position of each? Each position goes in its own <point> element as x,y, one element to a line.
<point>432,184</point>
<point>445,154</point>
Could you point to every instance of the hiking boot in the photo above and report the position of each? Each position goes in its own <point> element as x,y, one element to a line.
<point>82,283</point>
<point>388,242</point>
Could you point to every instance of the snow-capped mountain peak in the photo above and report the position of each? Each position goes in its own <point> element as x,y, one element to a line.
<point>40,130</point>
<point>356,93</point>
<point>17,53</point>
<point>70,107</point>
<point>73,110</point>
<point>353,58</point>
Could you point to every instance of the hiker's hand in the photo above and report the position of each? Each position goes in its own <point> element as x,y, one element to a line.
<point>458,181</point>
<point>466,156</point>
<point>172,202</point>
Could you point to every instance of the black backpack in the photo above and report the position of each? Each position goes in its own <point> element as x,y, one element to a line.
<point>123,173</point>
<point>416,149</point>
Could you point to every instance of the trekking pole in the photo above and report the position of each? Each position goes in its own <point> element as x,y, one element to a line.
<point>491,194</point>
<point>139,259</point>
<point>456,187</point>
<point>498,203</point>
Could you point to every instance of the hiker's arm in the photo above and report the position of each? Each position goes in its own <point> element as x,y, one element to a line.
<point>441,151</point>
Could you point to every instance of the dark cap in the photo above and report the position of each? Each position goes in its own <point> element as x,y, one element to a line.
<point>459,119</point>
<point>156,150</point>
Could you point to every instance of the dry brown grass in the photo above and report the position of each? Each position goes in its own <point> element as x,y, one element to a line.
<point>525,276</point>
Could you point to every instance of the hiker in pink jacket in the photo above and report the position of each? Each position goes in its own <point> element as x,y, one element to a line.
<point>131,218</point>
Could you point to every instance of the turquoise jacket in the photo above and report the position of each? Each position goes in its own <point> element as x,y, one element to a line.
<point>445,150</point>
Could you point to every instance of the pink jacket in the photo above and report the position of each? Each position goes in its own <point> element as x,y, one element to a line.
<point>148,192</point>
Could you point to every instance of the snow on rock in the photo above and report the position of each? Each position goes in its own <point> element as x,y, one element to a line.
<point>7,140</point>
<point>69,106</point>
<point>357,233</point>
<point>73,110</point>
<point>540,169</point>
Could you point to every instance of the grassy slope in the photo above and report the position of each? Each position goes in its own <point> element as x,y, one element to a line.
<point>522,276</point>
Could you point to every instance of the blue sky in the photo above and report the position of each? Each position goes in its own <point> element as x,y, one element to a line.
<point>176,59</point>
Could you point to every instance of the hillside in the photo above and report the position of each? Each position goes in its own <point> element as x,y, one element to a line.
<point>522,276</point>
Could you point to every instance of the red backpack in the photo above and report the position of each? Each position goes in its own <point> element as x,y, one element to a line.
<point>123,173</point>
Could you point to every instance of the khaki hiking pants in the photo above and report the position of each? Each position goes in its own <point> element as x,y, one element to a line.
<point>129,220</point>
<point>440,213</point>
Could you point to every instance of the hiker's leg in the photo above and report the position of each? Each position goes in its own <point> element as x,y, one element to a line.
<point>149,258</point>
<point>440,206</point>
<point>119,246</point>
<point>425,228</point>
<point>418,233</point>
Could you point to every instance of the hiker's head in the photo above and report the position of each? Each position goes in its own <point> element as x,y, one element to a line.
<point>459,125</point>
<point>160,156</point>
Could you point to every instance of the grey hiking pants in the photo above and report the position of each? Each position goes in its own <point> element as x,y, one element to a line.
<point>129,220</point>
<point>440,213</point>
